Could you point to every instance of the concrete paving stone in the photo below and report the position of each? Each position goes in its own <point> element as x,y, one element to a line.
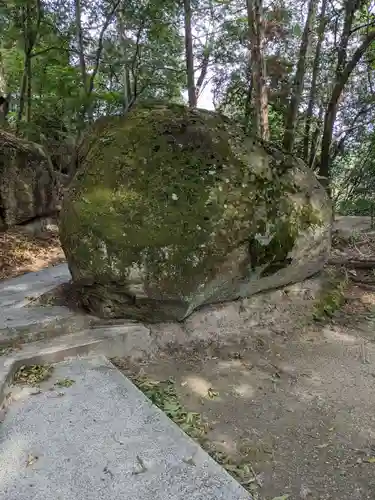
<point>15,292</point>
<point>131,341</point>
<point>21,320</point>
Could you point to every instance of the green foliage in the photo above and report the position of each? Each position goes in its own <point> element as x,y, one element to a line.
<point>65,382</point>
<point>164,396</point>
<point>151,54</point>
<point>134,50</point>
<point>358,206</point>
<point>33,374</point>
<point>333,296</point>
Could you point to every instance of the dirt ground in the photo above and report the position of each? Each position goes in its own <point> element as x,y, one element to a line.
<point>21,252</point>
<point>300,409</point>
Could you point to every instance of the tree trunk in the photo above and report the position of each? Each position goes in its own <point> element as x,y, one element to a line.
<point>351,6</point>
<point>30,36</point>
<point>204,68</point>
<point>248,103</point>
<point>29,90</point>
<point>316,139</point>
<point>258,67</point>
<point>82,61</point>
<point>298,83</point>
<point>21,105</point>
<point>192,95</point>
<point>3,77</point>
<point>125,71</point>
<point>314,80</point>
<point>90,82</point>
<point>331,111</point>
<point>80,43</point>
<point>256,38</point>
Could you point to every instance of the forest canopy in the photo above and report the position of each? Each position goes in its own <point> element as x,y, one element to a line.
<point>298,73</point>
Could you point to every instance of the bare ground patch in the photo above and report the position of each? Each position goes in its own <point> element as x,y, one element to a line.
<point>21,252</point>
<point>299,409</point>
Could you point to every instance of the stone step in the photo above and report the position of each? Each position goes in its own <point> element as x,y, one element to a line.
<point>131,341</point>
<point>28,324</point>
<point>17,292</point>
<point>101,438</point>
<point>23,321</point>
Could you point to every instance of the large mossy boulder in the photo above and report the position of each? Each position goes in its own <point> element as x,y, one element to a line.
<point>173,208</point>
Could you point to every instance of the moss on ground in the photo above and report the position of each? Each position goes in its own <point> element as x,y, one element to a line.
<point>333,297</point>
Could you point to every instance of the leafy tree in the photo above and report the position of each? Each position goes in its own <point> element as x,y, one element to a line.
<point>298,73</point>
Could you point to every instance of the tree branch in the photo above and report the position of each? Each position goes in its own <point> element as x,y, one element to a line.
<point>45,51</point>
<point>330,115</point>
<point>100,45</point>
<point>362,26</point>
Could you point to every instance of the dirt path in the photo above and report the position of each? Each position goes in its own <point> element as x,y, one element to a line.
<point>300,410</point>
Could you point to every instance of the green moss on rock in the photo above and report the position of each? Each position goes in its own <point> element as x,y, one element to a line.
<point>173,204</point>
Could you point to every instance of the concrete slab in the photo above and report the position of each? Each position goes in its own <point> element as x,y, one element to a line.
<point>16,292</point>
<point>132,341</point>
<point>21,320</point>
<point>102,439</point>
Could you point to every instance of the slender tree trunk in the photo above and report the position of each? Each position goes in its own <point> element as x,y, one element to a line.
<point>21,105</point>
<point>351,6</point>
<point>30,36</point>
<point>25,17</point>
<point>192,95</point>
<point>82,61</point>
<point>3,77</point>
<point>314,80</point>
<point>248,103</point>
<point>125,68</point>
<point>80,43</point>
<point>256,54</point>
<point>90,82</point>
<point>29,90</point>
<point>204,68</point>
<point>299,79</point>
<point>331,111</point>
<point>316,138</point>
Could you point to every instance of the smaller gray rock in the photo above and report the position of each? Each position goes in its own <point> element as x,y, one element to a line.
<point>28,184</point>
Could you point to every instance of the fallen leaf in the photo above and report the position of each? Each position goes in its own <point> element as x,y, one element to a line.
<point>65,382</point>
<point>370,460</point>
<point>212,394</point>
<point>283,497</point>
<point>31,459</point>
